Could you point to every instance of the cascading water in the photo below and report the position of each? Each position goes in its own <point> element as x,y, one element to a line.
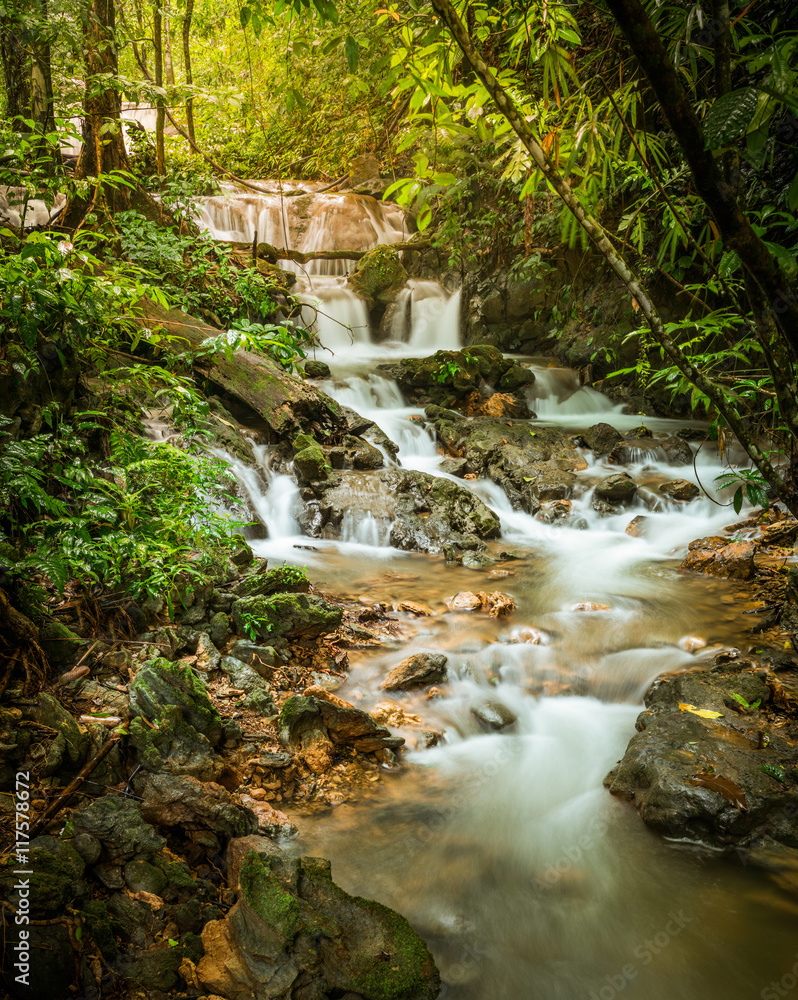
<point>425,317</point>
<point>503,849</point>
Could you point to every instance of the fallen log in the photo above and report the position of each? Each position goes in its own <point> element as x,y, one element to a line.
<point>265,251</point>
<point>287,404</point>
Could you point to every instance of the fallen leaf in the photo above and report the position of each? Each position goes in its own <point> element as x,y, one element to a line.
<point>731,792</point>
<point>702,713</point>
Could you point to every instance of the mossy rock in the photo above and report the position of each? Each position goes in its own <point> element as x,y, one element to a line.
<point>69,749</point>
<point>155,969</point>
<point>267,897</point>
<point>161,684</point>
<point>119,826</point>
<point>60,643</point>
<point>290,616</point>
<point>141,876</point>
<point>175,747</point>
<point>378,275</point>
<point>309,460</point>
<point>100,928</point>
<point>281,580</point>
<point>56,879</point>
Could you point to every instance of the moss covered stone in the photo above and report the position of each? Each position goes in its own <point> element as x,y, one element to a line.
<point>60,643</point>
<point>118,825</point>
<point>309,459</point>
<point>161,684</point>
<point>281,580</point>
<point>267,896</point>
<point>56,879</point>
<point>290,616</point>
<point>175,747</point>
<point>378,275</point>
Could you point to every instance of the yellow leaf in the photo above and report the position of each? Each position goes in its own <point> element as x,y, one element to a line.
<point>703,713</point>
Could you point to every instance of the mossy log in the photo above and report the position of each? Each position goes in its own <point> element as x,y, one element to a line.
<point>266,251</point>
<point>287,404</point>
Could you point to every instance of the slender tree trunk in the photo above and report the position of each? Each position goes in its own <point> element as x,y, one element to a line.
<point>187,63</point>
<point>140,52</point>
<point>42,105</point>
<point>160,117</point>
<point>16,67</point>
<point>710,183</point>
<point>601,241</point>
<point>168,66</point>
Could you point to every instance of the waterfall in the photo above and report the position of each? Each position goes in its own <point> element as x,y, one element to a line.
<point>425,317</point>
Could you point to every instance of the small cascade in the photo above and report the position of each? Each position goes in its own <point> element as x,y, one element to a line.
<point>339,316</point>
<point>363,528</point>
<point>426,318</point>
<point>557,397</point>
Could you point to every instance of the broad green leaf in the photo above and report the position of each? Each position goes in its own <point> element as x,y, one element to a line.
<point>729,117</point>
<point>244,15</point>
<point>352,53</point>
<point>737,500</point>
<point>424,218</point>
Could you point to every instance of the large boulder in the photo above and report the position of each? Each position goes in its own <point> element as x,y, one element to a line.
<point>412,510</point>
<point>705,765</point>
<point>160,684</point>
<point>448,378</point>
<point>172,800</point>
<point>618,488</point>
<point>289,616</point>
<point>378,275</point>
<point>281,580</point>
<point>291,920</point>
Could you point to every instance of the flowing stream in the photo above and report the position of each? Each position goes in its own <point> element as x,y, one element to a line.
<point>503,849</point>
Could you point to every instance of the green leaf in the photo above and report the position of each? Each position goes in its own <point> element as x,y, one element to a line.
<point>424,218</point>
<point>757,496</point>
<point>352,53</point>
<point>729,117</point>
<point>78,933</point>
<point>244,15</point>
<point>737,500</point>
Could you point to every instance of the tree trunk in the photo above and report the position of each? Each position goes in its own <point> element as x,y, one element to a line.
<point>160,160</point>
<point>168,66</point>
<point>718,195</point>
<point>601,241</point>
<point>103,140</point>
<point>43,112</point>
<point>16,70</point>
<point>187,63</point>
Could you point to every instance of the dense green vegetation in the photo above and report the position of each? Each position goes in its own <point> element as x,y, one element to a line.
<point>505,130</point>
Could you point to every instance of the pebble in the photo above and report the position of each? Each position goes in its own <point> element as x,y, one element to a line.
<point>590,606</point>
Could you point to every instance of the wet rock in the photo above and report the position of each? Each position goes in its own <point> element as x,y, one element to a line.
<point>282,580</point>
<point>309,460</point>
<point>465,601</point>
<point>175,747</point>
<point>702,778</point>
<point>717,556</point>
<point>447,378</point>
<point>691,644</point>
<point>618,488</point>
<point>477,560</point>
<point>160,684</point>
<point>679,489</point>
<point>141,876</point>
<point>636,527</point>
<point>55,879</point>
<point>71,745</point>
<point>378,275</point>
<point>454,466</point>
<point>317,369</point>
<point>494,715</point>
<point>601,438</point>
<point>171,800</point>
<point>226,432</point>
<point>153,969</point>
<point>417,670</point>
<point>290,616</point>
<point>291,916</point>
<point>271,821</point>
<point>303,719</point>
<point>118,825</point>
<point>362,455</point>
<point>590,606</point>
<point>603,508</point>
<point>781,533</point>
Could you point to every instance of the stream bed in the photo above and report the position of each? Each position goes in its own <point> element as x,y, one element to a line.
<point>503,849</point>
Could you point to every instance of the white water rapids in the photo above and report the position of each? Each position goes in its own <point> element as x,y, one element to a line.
<point>503,849</point>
